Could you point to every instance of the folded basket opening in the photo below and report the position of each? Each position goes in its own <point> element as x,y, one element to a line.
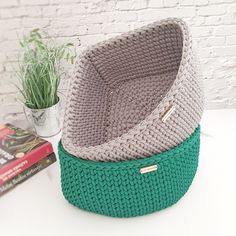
<point>122,86</point>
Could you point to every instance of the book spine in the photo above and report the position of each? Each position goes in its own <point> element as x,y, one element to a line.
<point>34,169</point>
<point>21,164</point>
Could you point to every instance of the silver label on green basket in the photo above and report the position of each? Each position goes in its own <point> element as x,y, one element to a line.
<point>148,169</point>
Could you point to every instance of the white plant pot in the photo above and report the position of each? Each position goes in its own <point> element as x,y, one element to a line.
<point>46,122</point>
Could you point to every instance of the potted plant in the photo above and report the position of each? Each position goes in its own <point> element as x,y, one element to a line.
<point>39,75</point>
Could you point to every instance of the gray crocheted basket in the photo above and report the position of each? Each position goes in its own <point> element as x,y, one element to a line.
<point>134,96</point>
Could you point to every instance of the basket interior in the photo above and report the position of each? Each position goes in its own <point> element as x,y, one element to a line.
<point>124,81</point>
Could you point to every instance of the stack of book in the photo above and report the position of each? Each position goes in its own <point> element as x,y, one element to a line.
<point>22,154</point>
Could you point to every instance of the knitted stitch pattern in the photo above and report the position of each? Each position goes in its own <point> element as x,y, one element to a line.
<point>118,189</point>
<point>122,87</point>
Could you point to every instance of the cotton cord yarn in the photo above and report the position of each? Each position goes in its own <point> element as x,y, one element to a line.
<point>118,189</point>
<point>131,134</point>
<point>122,87</point>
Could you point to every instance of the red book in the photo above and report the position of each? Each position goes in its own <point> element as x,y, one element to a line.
<point>19,150</point>
<point>24,175</point>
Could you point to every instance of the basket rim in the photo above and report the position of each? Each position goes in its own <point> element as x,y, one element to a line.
<point>127,164</point>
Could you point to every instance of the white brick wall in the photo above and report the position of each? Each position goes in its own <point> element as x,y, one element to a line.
<point>213,24</point>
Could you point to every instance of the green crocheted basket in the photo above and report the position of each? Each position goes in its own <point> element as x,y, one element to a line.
<point>130,188</point>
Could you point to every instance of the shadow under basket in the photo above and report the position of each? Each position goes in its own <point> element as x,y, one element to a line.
<point>130,188</point>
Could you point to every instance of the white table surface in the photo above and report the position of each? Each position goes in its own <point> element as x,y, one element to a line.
<point>37,206</point>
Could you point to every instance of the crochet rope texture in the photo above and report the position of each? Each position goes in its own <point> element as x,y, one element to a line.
<point>122,87</point>
<point>118,189</point>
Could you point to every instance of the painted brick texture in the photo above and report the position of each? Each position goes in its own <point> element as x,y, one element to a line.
<point>213,24</point>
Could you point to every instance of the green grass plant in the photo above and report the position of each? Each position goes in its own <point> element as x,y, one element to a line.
<point>39,69</point>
